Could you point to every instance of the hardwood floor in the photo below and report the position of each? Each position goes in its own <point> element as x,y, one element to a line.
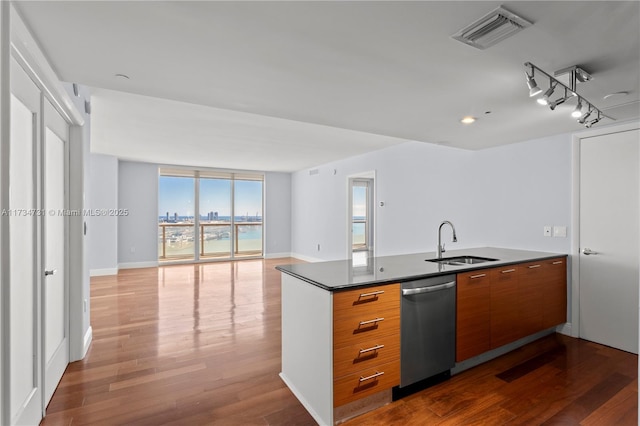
<point>200,345</point>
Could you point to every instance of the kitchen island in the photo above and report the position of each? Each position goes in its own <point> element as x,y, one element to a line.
<point>333,310</point>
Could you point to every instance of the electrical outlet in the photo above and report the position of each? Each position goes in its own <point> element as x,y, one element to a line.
<point>318,248</point>
<point>547,231</point>
<point>133,249</point>
<point>84,305</point>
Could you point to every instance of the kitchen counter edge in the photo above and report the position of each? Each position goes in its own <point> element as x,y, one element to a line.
<point>340,275</point>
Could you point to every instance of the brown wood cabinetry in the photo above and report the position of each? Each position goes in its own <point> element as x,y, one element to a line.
<point>473,314</point>
<point>554,292</point>
<point>366,342</point>
<point>498,306</point>
<point>505,326</point>
<point>530,297</point>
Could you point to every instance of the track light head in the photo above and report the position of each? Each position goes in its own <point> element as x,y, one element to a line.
<point>594,121</point>
<point>578,111</point>
<point>544,100</point>
<point>557,102</point>
<point>584,116</point>
<point>533,86</point>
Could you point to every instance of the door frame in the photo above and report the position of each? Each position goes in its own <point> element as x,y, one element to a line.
<point>574,325</point>
<point>370,175</point>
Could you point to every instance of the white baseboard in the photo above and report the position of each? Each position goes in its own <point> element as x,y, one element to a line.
<point>135,265</point>
<point>276,255</point>
<point>306,258</point>
<point>103,272</point>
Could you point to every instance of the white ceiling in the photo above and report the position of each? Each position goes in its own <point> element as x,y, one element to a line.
<point>289,85</point>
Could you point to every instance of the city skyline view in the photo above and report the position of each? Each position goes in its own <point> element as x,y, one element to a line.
<point>177,195</point>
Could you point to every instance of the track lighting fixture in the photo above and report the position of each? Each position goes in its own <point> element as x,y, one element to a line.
<point>544,100</point>
<point>533,86</point>
<point>576,74</point>
<point>578,111</point>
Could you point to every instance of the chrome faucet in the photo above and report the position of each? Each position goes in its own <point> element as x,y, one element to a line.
<point>440,245</point>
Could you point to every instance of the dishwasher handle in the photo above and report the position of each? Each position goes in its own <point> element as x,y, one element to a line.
<point>428,289</point>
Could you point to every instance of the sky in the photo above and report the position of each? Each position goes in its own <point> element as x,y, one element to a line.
<point>359,201</point>
<point>176,195</point>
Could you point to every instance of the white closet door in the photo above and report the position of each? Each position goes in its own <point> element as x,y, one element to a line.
<point>25,382</point>
<point>609,234</point>
<point>55,327</point>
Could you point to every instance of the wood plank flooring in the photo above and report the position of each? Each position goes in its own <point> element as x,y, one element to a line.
<point>200,345</point>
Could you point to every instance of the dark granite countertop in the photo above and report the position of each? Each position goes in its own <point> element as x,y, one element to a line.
<point>343,274</point>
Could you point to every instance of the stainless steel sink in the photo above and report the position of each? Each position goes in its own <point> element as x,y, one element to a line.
<point>462,260</point>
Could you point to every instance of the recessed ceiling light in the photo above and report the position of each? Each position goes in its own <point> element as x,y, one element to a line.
<point>123,76</point>
<point>468,119</point>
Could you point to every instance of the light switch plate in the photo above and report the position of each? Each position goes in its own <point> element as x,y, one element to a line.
<point>547,231</point>
<point>559,231</point>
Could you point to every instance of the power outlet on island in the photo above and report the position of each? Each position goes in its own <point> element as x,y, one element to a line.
<point>547,231</point>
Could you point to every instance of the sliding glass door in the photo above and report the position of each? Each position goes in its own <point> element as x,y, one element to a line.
<point>248,217</point>
<point>176,218</point>
<point>228,223</point>
<point>215,217</point>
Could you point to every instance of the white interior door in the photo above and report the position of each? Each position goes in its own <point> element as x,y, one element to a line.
<point>55,326</point>
<point>24,387</point>
<point>609,205</point>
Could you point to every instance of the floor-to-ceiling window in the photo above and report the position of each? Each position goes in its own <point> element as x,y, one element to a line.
<point>176,217</point>
<point>209,215</point>
<point>215,216</point>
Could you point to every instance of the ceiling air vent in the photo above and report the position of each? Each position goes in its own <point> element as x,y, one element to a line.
<point>491,28</point>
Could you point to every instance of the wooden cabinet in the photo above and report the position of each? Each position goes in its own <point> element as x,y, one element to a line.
<point>530,297</point>
<point>366,342</point>
<point>473,314</point>
<point>497,306</point>
<point>554,292</point>
<point>505,327</point>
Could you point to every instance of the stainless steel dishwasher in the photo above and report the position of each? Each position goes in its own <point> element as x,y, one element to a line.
<point>428,328</point>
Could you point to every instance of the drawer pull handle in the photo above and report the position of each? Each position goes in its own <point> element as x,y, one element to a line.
<point>534,266</point>
<point>473,277</point>
<point>373,321</point>
<point>557,262</point>
<point>373,376</point>
<point>373,293</point>
<point>506,271</point>
<point>374,348</point>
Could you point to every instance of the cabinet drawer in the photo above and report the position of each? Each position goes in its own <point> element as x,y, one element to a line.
<point>365,382</point>
<point>366,300</point>
<point>362,328</point>
<point>368,354</point>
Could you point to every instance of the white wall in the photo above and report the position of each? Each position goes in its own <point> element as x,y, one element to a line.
<point>525,186</point>
<point>102,234</point>
<point>277,216</point>
<point>496,197</point>
<point>138,231</point>
<point>415,182</point>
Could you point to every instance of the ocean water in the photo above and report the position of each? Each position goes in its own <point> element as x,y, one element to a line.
<point>217,240</point>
